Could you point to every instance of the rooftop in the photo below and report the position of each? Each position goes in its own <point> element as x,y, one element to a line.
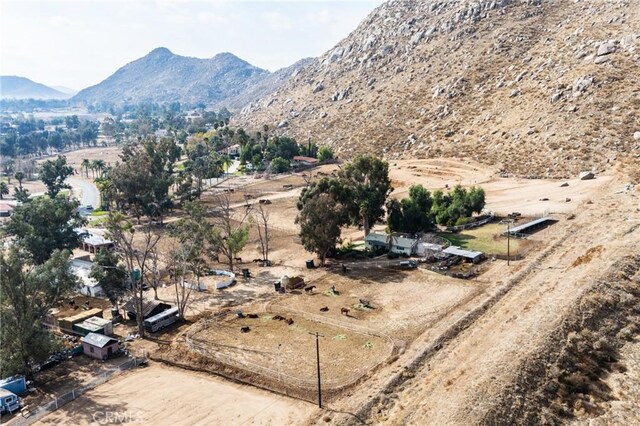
<point>457,251</point>
<point>527,225</point>
<point>97,340</point>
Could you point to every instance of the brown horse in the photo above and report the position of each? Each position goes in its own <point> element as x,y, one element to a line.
<point>344,311</point>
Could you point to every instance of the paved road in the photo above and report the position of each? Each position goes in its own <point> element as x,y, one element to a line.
<point>90,194</point>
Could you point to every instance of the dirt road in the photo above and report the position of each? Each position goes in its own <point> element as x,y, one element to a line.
<point>161,395</point>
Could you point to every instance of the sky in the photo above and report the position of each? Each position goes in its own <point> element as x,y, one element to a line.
<point>78,43</point>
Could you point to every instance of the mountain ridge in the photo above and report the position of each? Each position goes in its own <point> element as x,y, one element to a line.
<point>17,87</point>
<point>162,76</point>
<point>523,84</point>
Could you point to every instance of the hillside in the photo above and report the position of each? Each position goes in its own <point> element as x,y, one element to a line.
<point>162,76</point>
<point>262,85</point>
<point>14,87</point>
<point>538,88</point>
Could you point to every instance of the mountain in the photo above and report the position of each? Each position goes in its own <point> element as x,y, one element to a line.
<point>262,85</point>
<point>65,90</point>
<point>14,87</point>
<point>539,87</point>
<point>162,76</point>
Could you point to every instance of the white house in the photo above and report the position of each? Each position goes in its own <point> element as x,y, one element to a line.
<point>395,244</point>
<point>300,160</point>
<point>233,150</point>
<point>88,286</point>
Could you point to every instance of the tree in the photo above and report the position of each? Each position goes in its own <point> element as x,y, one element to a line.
<point>368,186</point>
<point>261,219</point>
<point>111,276</point>
<point>4,189</point>
<point>325,153</point>
<point>280,165</point>
<point>412,214</point>
<point>135,247</point>
<point>85,165</point>
<point>458,205</point>
<point>53,173</point>
<point>320,221</point>
<point>19,177</point>
<point>230,233</point>
<point>43,225</point>
<point>21,194</point>
<point>187,255</point>
<point>28,292</point>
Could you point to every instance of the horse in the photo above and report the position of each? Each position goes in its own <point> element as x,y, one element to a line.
<point>310,289</point>
<point>325,309</point>
<point>244,329</point>
<point>278,317</point>
<point>344,311</point>
<point>289,321</point>
<point>252,316</point>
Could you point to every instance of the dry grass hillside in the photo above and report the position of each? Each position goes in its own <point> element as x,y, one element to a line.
<point>536,87</point>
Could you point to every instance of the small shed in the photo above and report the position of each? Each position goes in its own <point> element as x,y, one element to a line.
<point>149,308</point>
<point>94,325</point>
<point>473,256</point>
<point>99,346</point>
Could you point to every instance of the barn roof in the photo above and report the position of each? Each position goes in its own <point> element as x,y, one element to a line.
<point>525,226</point>
<point>147,306</point>
<point>98,340</point>
<point>457,251</point>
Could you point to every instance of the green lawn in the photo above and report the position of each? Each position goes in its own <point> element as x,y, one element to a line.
<point>486,238</point>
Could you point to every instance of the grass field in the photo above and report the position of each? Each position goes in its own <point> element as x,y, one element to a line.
<point>487,239</point>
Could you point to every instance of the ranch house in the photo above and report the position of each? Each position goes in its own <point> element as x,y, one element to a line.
<point>395,244</point>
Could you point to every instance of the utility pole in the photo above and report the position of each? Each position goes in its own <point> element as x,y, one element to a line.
<point>318,335</point>
<point>508,221</point>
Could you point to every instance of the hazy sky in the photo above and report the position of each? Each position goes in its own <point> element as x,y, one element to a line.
<point>78,43</point>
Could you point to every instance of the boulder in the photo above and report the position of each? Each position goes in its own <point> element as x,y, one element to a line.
<point>586,175</point>
<point>283,124</point>
<point>636,136</point>
<point>606,48</point>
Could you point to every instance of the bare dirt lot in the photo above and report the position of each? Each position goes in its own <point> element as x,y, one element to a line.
<point>161,395</point>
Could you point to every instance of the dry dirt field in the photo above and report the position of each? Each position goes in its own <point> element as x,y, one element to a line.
<point>161,395</point>
<point>459,344</point>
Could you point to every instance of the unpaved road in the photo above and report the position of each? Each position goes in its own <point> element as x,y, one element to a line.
<point>159,395</point>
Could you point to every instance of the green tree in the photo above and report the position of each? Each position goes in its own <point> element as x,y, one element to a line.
<point>19,177</point>
<point>325,153</point>
<point>280,165</point>
<point>21,194</point>
<point>27,293</point>
<point>111,276</point>
<point>44,225</point>
<point>230,233</point>
<point>53,174</point>
<point>367,184</point>
<point>412,214</point>
<point>4,189</point>
<point>457,205</point>
<point>320,221</point>
<point>86,164</point>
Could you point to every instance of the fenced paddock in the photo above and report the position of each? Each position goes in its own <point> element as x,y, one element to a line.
<point>34,414</point>
<point>282,356</point>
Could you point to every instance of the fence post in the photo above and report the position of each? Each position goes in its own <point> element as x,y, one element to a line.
<point>73,394</point>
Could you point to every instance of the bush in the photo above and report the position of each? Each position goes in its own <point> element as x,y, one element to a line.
<point>280,165</point>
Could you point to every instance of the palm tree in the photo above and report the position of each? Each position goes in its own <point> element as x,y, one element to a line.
<point>99,166</point>
<point>4,189</point>
<point>19,177</point>
<point>86,164</point>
